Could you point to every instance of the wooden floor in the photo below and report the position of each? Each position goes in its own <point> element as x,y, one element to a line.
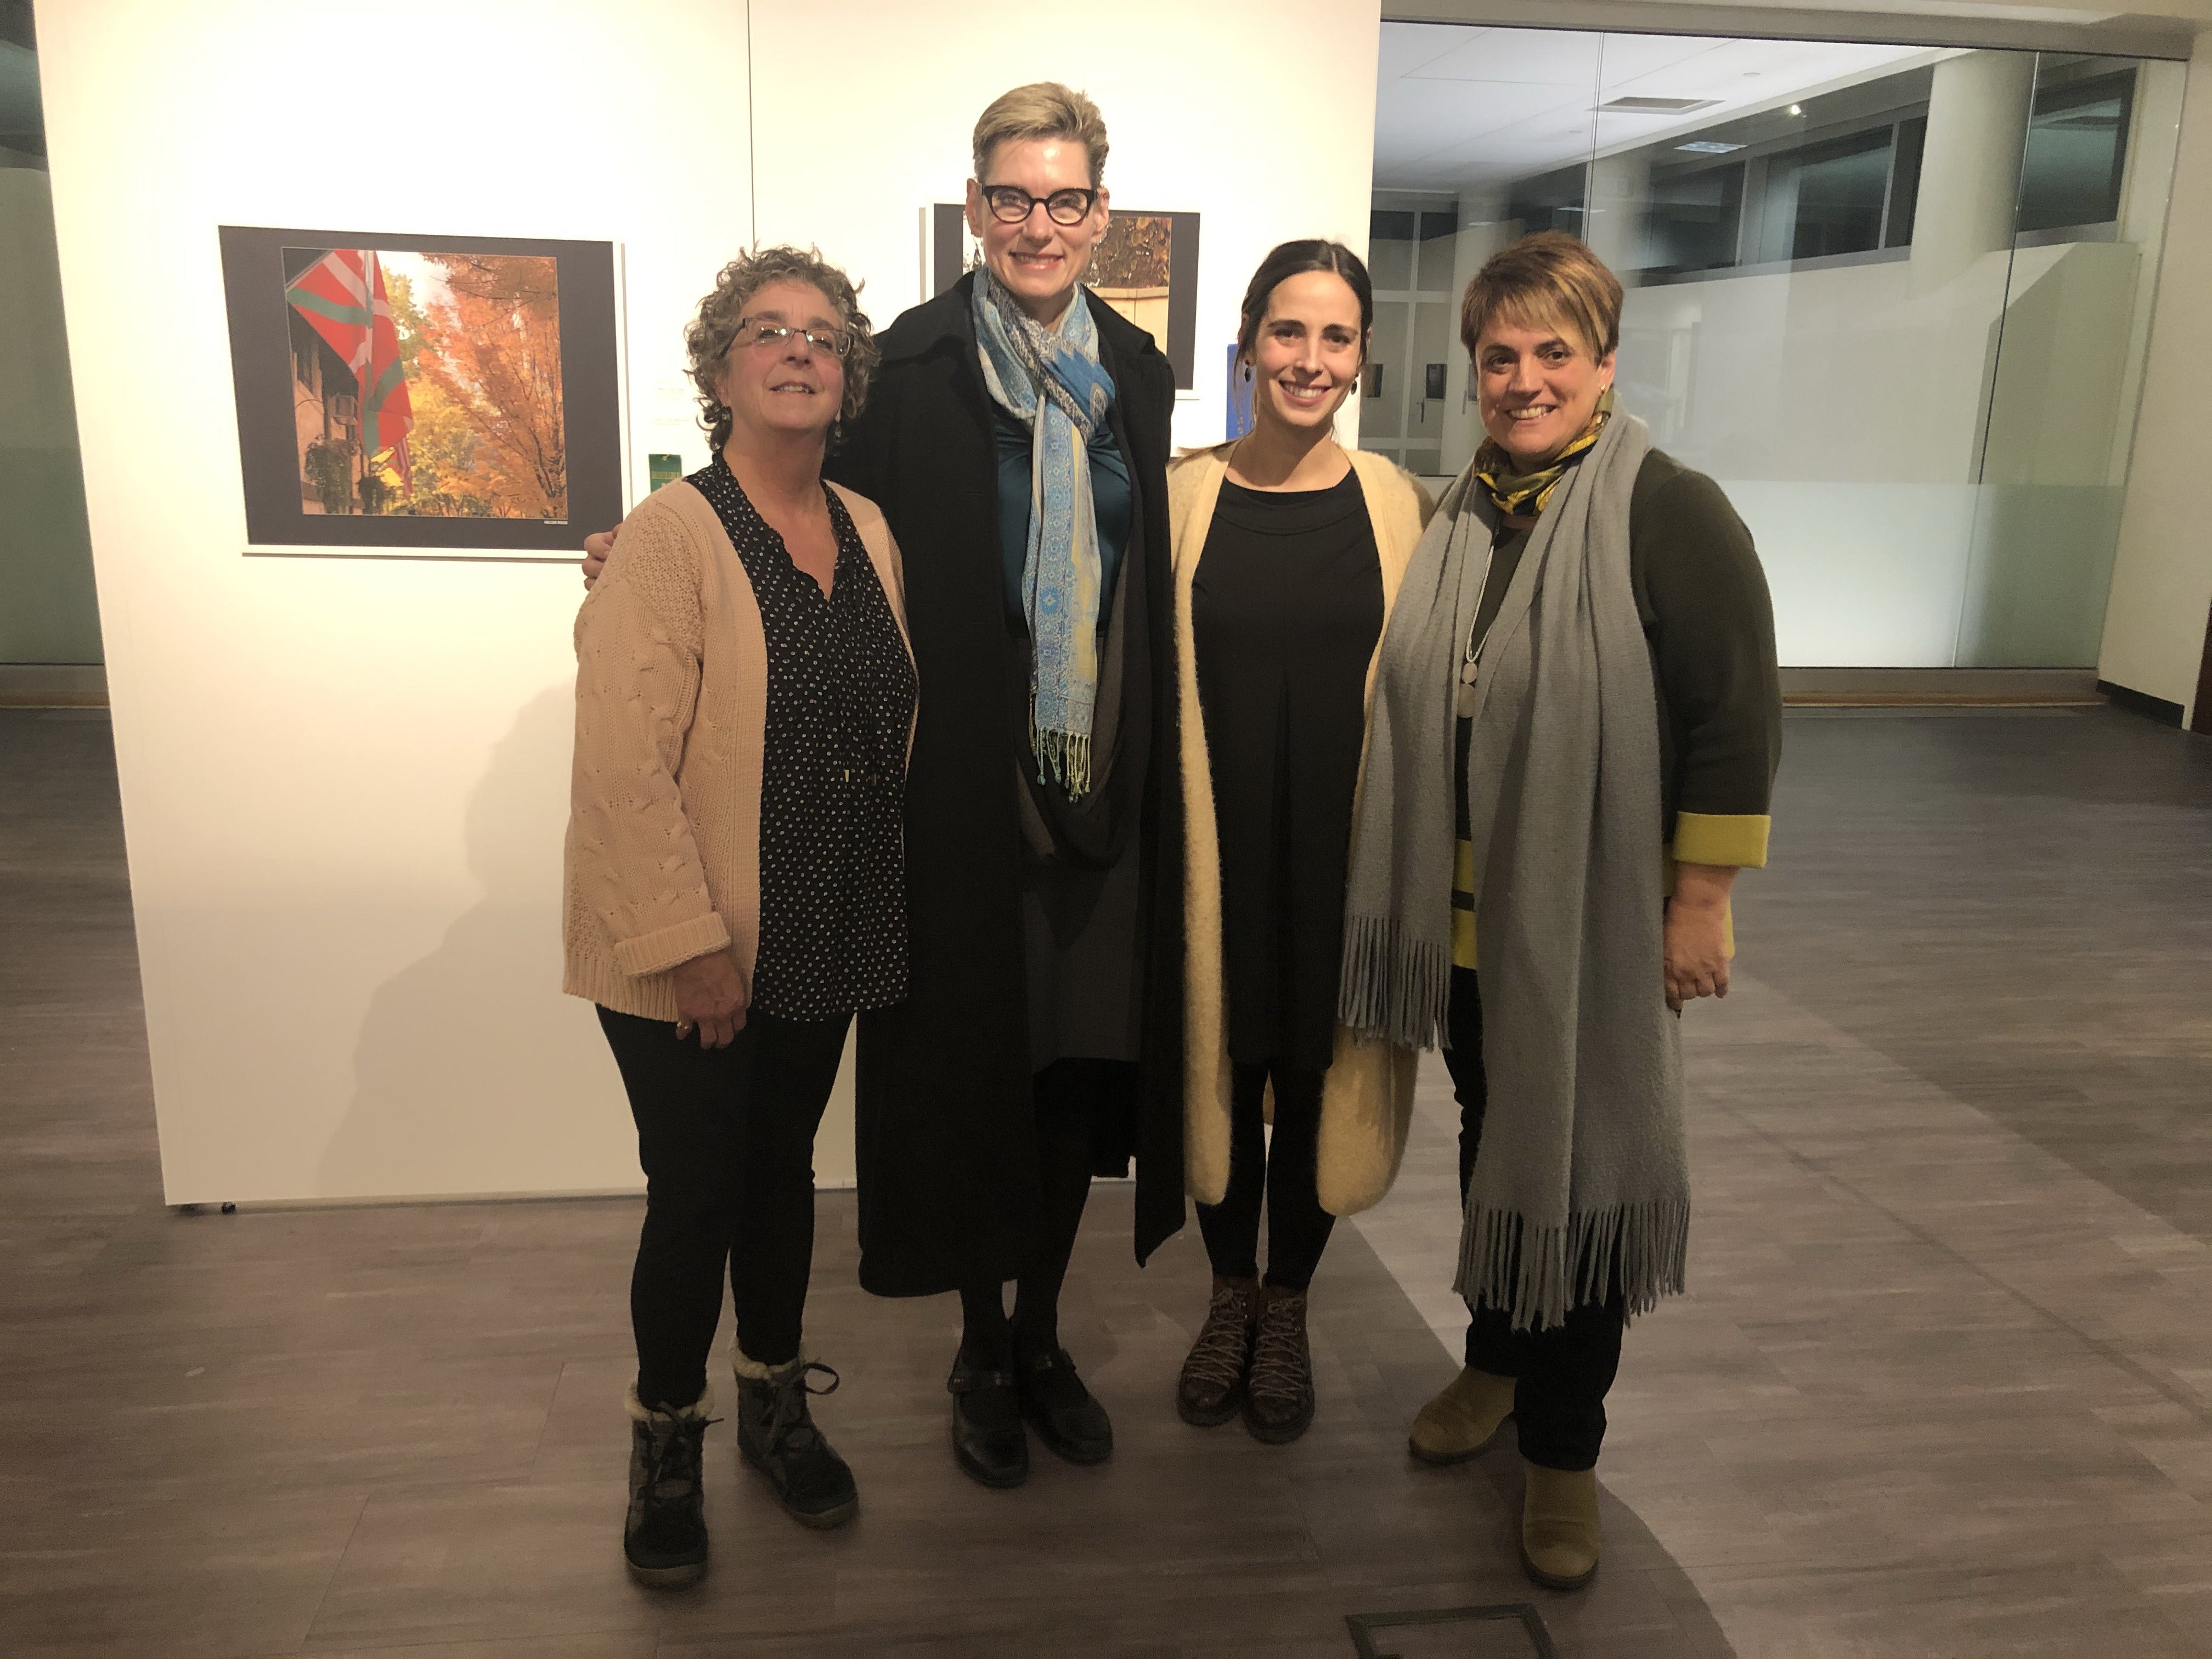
<point>1943,1386</point>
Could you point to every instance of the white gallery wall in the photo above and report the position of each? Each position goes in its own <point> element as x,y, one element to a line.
<point>344,780</point>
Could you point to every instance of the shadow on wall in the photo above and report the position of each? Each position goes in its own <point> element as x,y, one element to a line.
<point>474,1074</point>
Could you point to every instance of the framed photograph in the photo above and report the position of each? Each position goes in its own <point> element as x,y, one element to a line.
<point>1145,266</point>
<point>454,393</point>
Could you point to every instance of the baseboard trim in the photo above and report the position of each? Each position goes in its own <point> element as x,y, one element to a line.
<point>52,685</point>
<point>2142,702</point>
<point>1940,687</point>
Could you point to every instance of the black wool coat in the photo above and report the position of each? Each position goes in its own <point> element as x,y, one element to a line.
<point>944,1130</point>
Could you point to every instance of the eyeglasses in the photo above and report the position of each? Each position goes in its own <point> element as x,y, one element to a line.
<point>834,343</point>
<point>1011,205</point>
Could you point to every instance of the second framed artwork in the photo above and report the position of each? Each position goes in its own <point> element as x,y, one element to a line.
<point>1145,266</point>
<point>455,393</point>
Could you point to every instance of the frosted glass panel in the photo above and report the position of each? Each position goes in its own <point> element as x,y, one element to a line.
<point>1894,299</point>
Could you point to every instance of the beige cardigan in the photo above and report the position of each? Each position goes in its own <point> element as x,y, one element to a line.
<point>1367,1098</point>
<point>663,857</point>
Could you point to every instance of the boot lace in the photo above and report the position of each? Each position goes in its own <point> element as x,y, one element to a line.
<point>1281,1372</point>
<point>790,1424</point>
<point>1217,1359</point>
<point>675,1447</point>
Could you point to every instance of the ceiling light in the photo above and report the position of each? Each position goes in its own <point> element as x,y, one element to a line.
<point>1708,146</point>
<point>1653,106</point>
<point>1796,109</point>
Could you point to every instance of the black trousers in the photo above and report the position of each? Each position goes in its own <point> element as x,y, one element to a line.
<point>726,1140</point>
<point>1283,1171</point>
<point>1074,1100</point>
<point>1564,1372</point>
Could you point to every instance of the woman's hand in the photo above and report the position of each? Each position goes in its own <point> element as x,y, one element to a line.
<point>596,548</point>
<point>711,995</point>
<point>1695,957</point>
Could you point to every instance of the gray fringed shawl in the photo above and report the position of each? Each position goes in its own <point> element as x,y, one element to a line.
<point>1580,1186</point>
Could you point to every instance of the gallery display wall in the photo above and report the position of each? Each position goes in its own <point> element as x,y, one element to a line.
<point>345,776</point>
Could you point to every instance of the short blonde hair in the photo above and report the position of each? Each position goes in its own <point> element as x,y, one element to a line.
<point>707,338</point>
<point>1546,280</point>
<point>1044,109</point>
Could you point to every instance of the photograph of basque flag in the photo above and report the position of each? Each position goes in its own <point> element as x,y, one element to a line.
<point>395,392</point>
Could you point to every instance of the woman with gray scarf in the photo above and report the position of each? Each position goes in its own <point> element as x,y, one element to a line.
<point>1575,729</point>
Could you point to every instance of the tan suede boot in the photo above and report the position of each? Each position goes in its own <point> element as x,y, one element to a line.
<point>1460,1422</point>
<point>1559,1527</point>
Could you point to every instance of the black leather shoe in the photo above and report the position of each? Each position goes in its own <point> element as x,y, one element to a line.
<point>987,1425</point>
<point>1062,1410</point>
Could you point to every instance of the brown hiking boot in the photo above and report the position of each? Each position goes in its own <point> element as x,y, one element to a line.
<point>1212,1382</point>
<point>1279,1393</point>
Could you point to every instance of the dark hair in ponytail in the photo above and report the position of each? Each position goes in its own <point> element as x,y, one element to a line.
<point>1293,259</point>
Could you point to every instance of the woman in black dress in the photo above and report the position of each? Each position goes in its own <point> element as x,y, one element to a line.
<point>1288,552</point>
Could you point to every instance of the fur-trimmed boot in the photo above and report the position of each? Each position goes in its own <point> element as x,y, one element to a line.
<point>776,1434</point>
<point>1559,1527</point>
<point>664,1533</point>
<point>1462,1421</point>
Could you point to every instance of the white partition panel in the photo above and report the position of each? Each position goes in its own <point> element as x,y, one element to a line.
<point>344,781</point>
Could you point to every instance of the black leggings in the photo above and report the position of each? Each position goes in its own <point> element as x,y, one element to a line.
<point>1282,1170</point>
<point>1564,1372</point>
<point>1071,1099</point>
<point>726,1140</point>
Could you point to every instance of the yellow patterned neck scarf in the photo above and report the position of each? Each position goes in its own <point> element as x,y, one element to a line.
<point>1524,495</point>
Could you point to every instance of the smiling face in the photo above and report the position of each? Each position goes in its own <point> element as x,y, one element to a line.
<point>1307,355</point>
<point>783,387</point>
<point>1537,388</point>
<point>1038,260</point>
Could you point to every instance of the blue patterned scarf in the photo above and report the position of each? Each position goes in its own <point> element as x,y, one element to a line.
<point>1051,382</point>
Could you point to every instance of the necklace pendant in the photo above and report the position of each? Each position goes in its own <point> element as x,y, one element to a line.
<point>1463,698</point>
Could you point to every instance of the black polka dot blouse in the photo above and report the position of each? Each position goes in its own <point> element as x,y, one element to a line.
<point>840,691</point>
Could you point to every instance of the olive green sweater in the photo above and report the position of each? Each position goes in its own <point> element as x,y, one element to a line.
<point>1710,625</point>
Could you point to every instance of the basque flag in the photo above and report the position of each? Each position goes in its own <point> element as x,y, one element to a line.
<point>341,296</point>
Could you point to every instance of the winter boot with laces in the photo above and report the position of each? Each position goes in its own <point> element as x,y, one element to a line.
<point>1278,1391</point>
<point>776,1434</point>
<point>664,1533</point>
<point>1212,1386</point>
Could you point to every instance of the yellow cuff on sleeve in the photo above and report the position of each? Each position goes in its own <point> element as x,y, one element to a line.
<point>1737,840</point>
<point>1463,941</point>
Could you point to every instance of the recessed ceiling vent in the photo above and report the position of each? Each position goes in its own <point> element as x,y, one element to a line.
<point>1653,106</point>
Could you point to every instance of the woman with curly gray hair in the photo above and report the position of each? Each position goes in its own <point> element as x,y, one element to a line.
<point>735,871</point>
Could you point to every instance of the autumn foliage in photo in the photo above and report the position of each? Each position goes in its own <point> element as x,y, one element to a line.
<point>428,383</point>
<point>481,343</point>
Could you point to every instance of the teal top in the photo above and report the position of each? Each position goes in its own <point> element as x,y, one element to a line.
<point>1112,498</point>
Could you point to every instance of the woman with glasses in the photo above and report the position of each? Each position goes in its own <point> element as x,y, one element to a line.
<point>745,707</point>
<point>1016,439</point>
<point>1289,551</point>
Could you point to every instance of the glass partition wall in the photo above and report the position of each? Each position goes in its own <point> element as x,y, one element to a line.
<point>1894,299</point>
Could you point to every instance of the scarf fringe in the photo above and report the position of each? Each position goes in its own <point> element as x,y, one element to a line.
<point>1538,1273</point>
<point>1065,757</point>
<point>1395,987</point>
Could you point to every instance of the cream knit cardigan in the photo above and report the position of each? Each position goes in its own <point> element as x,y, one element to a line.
<point>663,856</point>
<point>1367,1097</point>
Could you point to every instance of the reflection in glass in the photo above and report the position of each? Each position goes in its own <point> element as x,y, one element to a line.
<point>2077,150</point>
<point>1894,300</point>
